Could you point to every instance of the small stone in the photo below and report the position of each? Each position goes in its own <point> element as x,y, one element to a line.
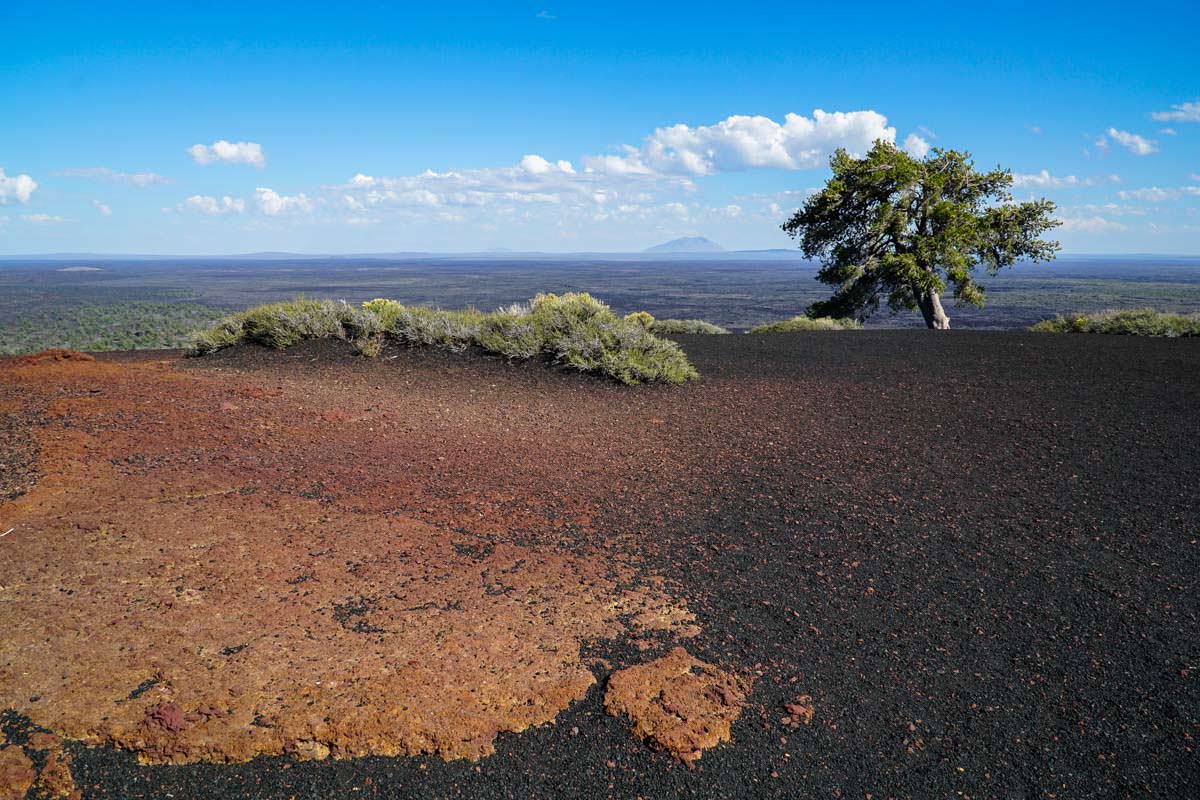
<point>801,710</point>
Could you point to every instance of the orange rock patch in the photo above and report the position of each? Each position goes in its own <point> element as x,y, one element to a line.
<point>677,703</point>
<point>181,583</point>
<point>50,356</point>
<point>16,773</point>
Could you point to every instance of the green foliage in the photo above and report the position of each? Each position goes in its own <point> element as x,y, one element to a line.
<point>420,325</point>
<point>586,335</point>
<point>643,318</point>
<point>573,329</point>
<point>677,326</point>
<point>1130,322</point>
<point>803,323</point>
<point>287,323</point>
<point>890,227</point>
<point>225,333</point>
<point>511,332</point>
<point>131,325</point>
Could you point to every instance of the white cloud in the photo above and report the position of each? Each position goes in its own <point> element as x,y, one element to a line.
<point>533,181</point>
<point>42,219</point>
<point>1092,225</point>
<point>102,208</point>
<point>1034,129</point>
<point>667,162</point>
<point>139,179</point>
<point>744,142</point>
<point>1115,210</point>
<point>229,153</point>
<point>1044,179</point>
<point>272,203</point>
<point>915,146</point>
<point>1180,112</point>
<point>536,165</point>
<point>19,187</point>
<point>1135,144</point>
<point>1168,131</point>
<point>212,206</point>
<point>1154,194</point>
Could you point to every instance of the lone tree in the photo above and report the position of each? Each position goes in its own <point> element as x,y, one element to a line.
<point>890,226</point>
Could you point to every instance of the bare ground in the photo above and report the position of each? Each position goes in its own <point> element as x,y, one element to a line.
<point>945,564</point>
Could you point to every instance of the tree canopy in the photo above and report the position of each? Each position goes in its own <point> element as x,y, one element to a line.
<point>892,228</point>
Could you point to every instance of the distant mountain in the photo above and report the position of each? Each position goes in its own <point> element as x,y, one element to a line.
<point>689,244</point>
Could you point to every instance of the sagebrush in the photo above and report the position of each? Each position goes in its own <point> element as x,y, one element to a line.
<point>693,326</point>
<point>803,323</point>
<point>1128,322</point>
<point>573,329</point>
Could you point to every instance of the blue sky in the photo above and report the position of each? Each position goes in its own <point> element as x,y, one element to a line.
<point>362,127</point>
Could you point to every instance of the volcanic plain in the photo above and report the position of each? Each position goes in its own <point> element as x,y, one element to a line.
<point>867,564</point>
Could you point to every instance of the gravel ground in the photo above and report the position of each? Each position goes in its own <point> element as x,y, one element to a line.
<point>977,553</point>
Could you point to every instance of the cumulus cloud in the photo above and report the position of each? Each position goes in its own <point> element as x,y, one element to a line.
<point>18,187</point>
<point>1180,112</point>
<point>102,208</point>
<point>225,152</point>
<point>139,179</point>
<point>915,146</point>
<point>1092,225</point>
<point>212,206</point>
<point>532,181</point>
<point>1138,145</point>
<point>1044,179</point>
<point>668,161</point>
<point>536,165</point>
<point>272,203</point>
<point>748,142</point>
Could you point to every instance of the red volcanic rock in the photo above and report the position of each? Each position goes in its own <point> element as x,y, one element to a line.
<point>51,356</point>
<point>678,703</point>
<point>16,773</point>
<point>167,716</point>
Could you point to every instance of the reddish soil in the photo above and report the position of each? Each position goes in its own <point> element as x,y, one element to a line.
<point>214,568</point>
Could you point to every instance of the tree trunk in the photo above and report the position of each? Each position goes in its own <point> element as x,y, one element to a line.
<point>931,308</point>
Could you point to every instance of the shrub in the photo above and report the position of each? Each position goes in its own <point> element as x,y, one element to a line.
<point>420,325</point>
<point>573,329</point>
<point>582,332</point>
<point>1130,322</point>
<point>676,326</point>
<point>803,323</point>
<point>277,325</point>
<point>225,333</point>
<point>284,324</point>
<point>643,318</point>
<point>510,333</point>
